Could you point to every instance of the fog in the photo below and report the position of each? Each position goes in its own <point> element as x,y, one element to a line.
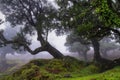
<point>56,41</point>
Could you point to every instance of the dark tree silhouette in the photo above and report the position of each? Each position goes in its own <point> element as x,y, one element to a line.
<point>36,16</point>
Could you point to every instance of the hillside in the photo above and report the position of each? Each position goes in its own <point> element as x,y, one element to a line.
<point>56,69</point>
<point>51,69</point>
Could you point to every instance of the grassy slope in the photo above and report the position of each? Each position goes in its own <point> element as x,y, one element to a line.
<point>55,69</point>
<point>52,69</point>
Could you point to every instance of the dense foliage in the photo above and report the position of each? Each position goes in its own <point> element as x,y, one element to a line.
<point>90,18</point>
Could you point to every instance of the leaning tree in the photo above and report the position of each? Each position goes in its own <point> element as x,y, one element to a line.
<point>35,16</point>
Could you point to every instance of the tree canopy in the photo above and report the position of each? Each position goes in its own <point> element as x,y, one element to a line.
<point>91,18</point>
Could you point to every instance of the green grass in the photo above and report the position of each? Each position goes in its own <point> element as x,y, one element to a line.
<point>113,74</point>
<point>56,69</point>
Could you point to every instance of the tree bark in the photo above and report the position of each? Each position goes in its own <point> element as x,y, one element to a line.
<point>49,48</point>
<point>96,46</point>
<point>53,51</point>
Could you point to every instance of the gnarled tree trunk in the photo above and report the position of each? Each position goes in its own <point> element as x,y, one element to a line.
<point>49,48</point>
<point>53,51</point>
<point>96,46</point>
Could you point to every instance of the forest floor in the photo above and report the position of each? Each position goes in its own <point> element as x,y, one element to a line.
<point>56,69</point>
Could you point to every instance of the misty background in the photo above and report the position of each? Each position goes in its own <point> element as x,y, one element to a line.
<point>56,41</point>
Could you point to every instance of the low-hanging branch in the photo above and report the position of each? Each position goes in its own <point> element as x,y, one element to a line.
<point>4,41</point>
<point>37,50</point>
